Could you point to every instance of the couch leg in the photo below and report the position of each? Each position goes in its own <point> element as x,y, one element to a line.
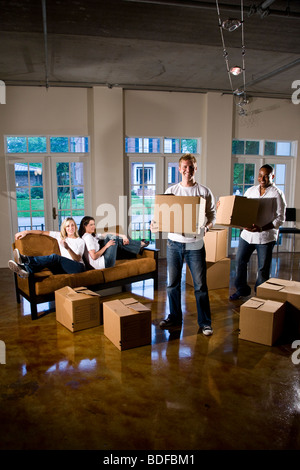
<point>34,314</point>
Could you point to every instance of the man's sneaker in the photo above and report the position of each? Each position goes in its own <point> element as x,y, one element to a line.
<point>17,256</point>
<point>169,323</point>
<point>235,296</point>
<point>19,259</point>
<point>207,330</point>
<point>16,268</point>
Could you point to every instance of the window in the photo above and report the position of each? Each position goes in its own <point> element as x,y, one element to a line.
<point>153,166</point>
<point>45,144</point>
<point>142,195</point>
<point>243,177</point>
<point>70,190</point>
<point>282,149</point>
<point>142,144</point>
<point>30,195</point>
<point>23,144</point>
<point>181,145</point>
<point>48,180</point>
<point>69,144</point>
<point>245,147</point>
<point>165,145</point>
<point>257,147</point>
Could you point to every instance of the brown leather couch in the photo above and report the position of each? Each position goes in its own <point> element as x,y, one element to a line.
<point>40,287</point>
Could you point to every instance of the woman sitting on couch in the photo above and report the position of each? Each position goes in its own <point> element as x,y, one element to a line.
<point>70,260</point>
<point>104,250</point>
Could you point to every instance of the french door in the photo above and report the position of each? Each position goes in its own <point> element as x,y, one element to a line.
<point>147,177</point>
<point>46,189</point>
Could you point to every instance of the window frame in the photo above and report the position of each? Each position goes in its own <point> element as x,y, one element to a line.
<point>48,144</point>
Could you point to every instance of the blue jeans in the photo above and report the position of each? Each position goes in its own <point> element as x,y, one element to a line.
<point>195,259</point>
<point>119,251</point>
<point>264,259</point>
<point>55,263</point>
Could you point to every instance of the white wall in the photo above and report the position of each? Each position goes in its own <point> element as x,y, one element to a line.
<point>35,110</point>
<point>106,130</point>
<point>108,114</point>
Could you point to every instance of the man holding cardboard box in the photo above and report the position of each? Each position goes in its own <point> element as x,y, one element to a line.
<point>262,239</point>
<point>189,247</point>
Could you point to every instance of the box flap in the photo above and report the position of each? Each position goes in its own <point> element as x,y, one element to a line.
<point>84,290</point>
<point>254,303</point>
<point>292,287</point>
<point>275,284</point>
<point>135,305</point>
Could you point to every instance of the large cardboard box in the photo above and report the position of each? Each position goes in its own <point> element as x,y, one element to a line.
<point>217,275</point>
<point>77,309</point>
<point>216,244</point>
<point>240,212</point>
<point>179,214</point>
<point>261,321</point>
<point>281,290</point>
<point>127,323</point>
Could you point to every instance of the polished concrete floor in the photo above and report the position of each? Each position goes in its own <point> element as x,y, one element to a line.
<point>61,390</point>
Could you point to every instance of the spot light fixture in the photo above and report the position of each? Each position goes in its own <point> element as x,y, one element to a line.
<point>236,70</point>
<point>238,90</point>
<point>231,24</point>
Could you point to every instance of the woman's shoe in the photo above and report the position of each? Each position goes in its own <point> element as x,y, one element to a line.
<point>144,244</point>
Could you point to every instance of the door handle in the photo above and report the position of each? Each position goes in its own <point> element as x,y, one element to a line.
<point>54,213</point>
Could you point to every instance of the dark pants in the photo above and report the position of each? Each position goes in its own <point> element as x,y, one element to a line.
<point>195,259</point>
<point>55,263</point>
<point>264,259</point>
<point>119,251</point>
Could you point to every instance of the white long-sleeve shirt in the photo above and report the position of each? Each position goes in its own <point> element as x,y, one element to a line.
<point>277,218</point>
<point>210,210</point>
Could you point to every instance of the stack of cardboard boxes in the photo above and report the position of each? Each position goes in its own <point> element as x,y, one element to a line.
<point>126,322</point>
<point>273,314</point>
<point>186,215</point>
<point>218,265</point>
<point>275,311</point>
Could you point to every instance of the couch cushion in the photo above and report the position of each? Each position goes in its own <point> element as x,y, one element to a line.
<point>128,268</point>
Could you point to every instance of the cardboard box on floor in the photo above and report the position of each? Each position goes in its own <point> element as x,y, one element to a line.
<point>261,321</point>
<point>240,212</point>
<point>127,323</point>
<point>281,290</point>
<point>217,274</point>
<point>179,214</point>
<point>77,309</point>
<point>216,244</point>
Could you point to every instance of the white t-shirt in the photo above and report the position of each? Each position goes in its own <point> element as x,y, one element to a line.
<point>210,211</point>
<point>92,243</point>
<point>278,216</point>
<point>76,244</point>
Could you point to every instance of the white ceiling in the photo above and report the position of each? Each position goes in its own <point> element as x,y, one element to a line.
<point>156,45</point>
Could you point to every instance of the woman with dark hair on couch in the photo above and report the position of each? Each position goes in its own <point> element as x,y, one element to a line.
<point>104,250</point>
<point>70,260</point>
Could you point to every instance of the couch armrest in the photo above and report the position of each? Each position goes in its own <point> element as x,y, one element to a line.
<point>150,253</point>
<point>35,244</point>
